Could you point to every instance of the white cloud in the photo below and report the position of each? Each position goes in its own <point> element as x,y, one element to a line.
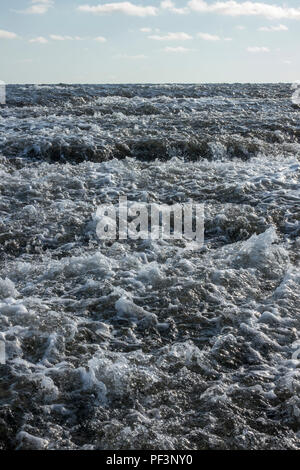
<point>212,37</point>
<point>240,27</point>
<point>256,50</point>
<point>169,5</point>
<point>39,39</point>
<point>127,8</point>
<point>247,8</point>
<point>176,50</point>
<point>38,7</point>
<point>145,30</point>
<point>100,39</point>
<point>57,37</point>
<point>280,27</point>
<point>208,37</point>
<point>171,37</point>
<point>7,34</point>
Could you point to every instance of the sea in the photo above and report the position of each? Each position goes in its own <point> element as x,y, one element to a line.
<point>140,343</point>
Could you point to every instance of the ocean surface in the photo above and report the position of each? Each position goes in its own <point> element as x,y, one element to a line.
<point>140,344</point>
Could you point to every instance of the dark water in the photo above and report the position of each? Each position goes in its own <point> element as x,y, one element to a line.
<point>136,344</point>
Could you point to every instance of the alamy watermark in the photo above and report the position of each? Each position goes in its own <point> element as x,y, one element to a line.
<point>296,355</point>
<point>142,221</point>
<point>2,92</point>
<point>296,93</point>
<point>2,353</point>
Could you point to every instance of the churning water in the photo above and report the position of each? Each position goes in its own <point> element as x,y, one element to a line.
<point>139,344</point>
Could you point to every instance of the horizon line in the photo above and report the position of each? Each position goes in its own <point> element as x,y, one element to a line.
<point>154,83</point>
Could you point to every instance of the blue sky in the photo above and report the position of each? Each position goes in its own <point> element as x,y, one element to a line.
<point>142,41</point>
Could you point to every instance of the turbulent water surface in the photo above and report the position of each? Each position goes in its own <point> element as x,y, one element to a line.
<point>138,344</point>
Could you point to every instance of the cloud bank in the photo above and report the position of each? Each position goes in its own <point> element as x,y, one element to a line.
<point>176,50</point>
<point>7,34</point>
<point>234,8</point>
<point>270,29</point>
<point>38,7</point>
<point>171,37</point>
<point>227,8</point>
<point>208,37</point>
<point>127,8</point>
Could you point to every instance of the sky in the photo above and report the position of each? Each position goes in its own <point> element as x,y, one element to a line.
<point>149,41</point>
